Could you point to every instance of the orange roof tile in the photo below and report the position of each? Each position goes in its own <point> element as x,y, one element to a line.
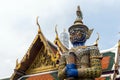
<point>101,78</point>
<point>105,62</point>
<point>41,77</point>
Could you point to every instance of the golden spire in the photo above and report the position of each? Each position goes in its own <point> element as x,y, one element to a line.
<point>56,31</point>
<point>39,30</point>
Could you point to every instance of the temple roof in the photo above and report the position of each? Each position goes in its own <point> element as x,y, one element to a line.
<point>31,54</point>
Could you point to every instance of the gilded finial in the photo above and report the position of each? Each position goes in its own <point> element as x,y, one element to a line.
<point>79,13</point>
<point>96,42</point>
<point>39,30</point>
<point>16,62</point>
<point>56,30</point>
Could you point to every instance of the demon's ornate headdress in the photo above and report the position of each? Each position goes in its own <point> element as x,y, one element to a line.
<point>78,24</point>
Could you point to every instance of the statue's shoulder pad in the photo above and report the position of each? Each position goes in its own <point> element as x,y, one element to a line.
<point>93,47</point>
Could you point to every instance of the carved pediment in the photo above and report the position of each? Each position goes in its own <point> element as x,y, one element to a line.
<point>42,62</point>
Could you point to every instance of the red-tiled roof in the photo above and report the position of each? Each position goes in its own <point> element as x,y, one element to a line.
<point>42,77</point>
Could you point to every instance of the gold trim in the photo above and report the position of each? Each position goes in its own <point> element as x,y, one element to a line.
<point>47,47</point>
<point>42,69</point>
<point>26,56</point>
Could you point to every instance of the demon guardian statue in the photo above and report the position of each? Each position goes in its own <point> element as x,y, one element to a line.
<point>80,62</point>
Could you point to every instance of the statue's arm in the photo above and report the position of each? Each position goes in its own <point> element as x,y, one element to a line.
<point>95,69</point>
<point>61,68</point>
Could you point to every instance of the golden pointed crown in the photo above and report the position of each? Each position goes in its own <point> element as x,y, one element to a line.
<point>79,24</point>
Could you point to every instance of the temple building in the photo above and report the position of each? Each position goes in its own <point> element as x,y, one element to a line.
<point>41,60</point>
<point>41,57</point>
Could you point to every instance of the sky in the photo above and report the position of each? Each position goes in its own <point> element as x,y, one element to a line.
<point>18,24</point>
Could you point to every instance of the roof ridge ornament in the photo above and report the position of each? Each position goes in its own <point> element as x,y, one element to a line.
<point>39,30</point>
<point>96,42</point>
<point>56,30</point>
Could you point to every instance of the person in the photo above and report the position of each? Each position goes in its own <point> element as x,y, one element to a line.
<point>80,62</point>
